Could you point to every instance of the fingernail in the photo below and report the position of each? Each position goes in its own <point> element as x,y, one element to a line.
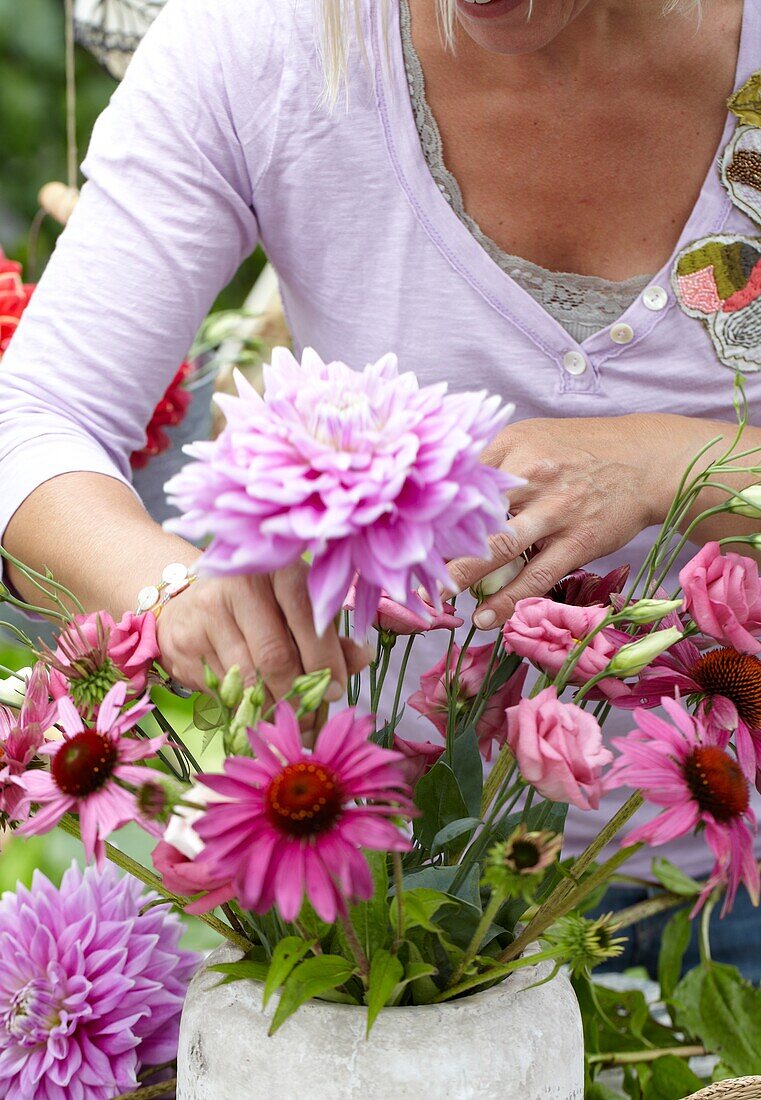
<point>334,692</point>
<point>484,619</point>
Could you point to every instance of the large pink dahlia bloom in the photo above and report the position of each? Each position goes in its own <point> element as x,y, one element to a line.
<point>366,470</point>
<point>292,824</point>
<point>680,766</point>
<point>91,987</point>
<point>91,772</point>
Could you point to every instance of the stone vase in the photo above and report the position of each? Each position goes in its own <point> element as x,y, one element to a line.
<point>511,1042</point>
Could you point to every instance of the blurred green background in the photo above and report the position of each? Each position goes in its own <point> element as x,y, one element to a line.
<point>33,128</point>
<point>33,152</point>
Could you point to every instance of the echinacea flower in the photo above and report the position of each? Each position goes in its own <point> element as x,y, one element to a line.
<point>22,735</point>
<point>514,867</point>
<point>582,944</point>
<point>471,667</point>
<point>292,824</point>
<point>723,594</point>
<point>417,618</point>
<point>93,653</point>
<point>89,769</point>
<point>559,749</point>
<point>371,474</point>
<point>92,983</point>
<point>728,685</point>
<point>680,766</point>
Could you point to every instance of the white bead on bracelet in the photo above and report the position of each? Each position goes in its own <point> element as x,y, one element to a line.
<point>174,580</point>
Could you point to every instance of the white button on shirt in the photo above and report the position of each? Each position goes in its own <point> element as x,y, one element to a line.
<point>655,298</point>
<point>622,334</point>
<point>574,362</point>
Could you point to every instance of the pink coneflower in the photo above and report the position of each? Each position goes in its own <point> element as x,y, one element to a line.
<point>22,735</point>
<point>292,824</point>
<point>729,686</point>
<point>681,767</point>
<point>371,473</point>
<point>89,770</point>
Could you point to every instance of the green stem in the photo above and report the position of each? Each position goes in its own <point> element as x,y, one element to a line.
<point>152,1092</point>
<point>396,859</point>
<point>494,973</point>
<point>503,767</point>
<point>632,1057</point>
<point>400,685</point>
<point>487,919</point>
<point>633,914</point>
<point>705,927</point>
<point>356,948</point>
<point>71,826</point>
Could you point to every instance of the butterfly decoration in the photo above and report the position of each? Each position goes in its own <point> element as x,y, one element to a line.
<point>112,29</point>
<point>718,279</point>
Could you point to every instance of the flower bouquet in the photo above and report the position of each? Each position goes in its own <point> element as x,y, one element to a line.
<point>345,858</point>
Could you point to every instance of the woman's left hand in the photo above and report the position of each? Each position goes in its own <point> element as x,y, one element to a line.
<point>591,486</point>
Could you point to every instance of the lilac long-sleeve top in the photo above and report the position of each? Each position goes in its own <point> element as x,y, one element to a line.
<point>215,142</point>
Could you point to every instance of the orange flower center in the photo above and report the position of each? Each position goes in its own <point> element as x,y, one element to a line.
<point>736,676</point>
<point>84,764</point>
<point>304,799</point>
<point>716,783</point>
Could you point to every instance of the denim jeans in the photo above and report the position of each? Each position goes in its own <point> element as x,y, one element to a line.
<point>735,939</point>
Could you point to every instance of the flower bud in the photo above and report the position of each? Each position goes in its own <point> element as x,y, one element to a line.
<point>211,679</point>
<point>749,504</point>
<point>497,579</point>
<point>633,658</point>
<point>650,611</point>
<point>158,796</point>
<point>583,944</point>
<point>516,866</point>
<point>310,689</point>
<point>231,691</point>
<point>247,716</point>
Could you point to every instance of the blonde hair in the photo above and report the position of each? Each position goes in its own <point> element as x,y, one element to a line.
<point>341,24</point>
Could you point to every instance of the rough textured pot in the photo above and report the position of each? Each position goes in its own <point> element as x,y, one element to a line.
<point>510,1043</point>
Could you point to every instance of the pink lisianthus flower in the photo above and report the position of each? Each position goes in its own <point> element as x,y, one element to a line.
<point>292,825</point>
<point>371,474</point>
<point>22,735</point>
<point>178,856</point>
<point>432,699</point>
<point>546,632</point>
<point>93,653</point>
<point>723,595</point>
<point>418,618</point>
<point>88,770</point>
<point>559,749</point>
<point>728,684</point>
<point>680,766</point>
<point>419,758</point>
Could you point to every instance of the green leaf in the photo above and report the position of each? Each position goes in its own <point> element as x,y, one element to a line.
<point>288,953</point>
<point>419,976</point>
<point>746,103</point>
<point>674,880</point>
<point>386,971</point>
<point>420,906</point>
<point>439,799</point>
<point>468,768</point>
<point>674,942</point>
<point>308,980</point>
<point>671,1079</point>
<point>714,1003</point>
<point>254,967</point>
<point>452,831</point>
<point>370,918</point>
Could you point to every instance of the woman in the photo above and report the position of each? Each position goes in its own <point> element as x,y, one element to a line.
<point>573,136</point>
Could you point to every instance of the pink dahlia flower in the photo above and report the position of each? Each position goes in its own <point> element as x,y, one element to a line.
<point>418,758</point>
<point>94,652</point>
<point>292,824</point>
<point>89,770</point>
<point>432,699</point>
<point>723,595</point>
<point>679,765</point>
<point>547,632</point>
<point>91,986</point>
<point>418,618</point>
<point>372,474</point>
<point>22,735</point>
<point>559,749</point>
<point>728,684</point>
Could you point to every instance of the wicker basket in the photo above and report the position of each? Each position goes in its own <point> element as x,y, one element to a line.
<point>741,1088</point>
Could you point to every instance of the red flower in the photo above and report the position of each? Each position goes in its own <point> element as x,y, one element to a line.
<point>170,412</point>
<point>14,298</point>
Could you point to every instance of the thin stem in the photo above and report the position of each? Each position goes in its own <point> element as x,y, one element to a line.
<point>356,948</point>
<point>705,929</point>
<point>494,973</point>
<point>70,825</point>
<point>487,919</point>
<point>32,574</point>
<point>152,1092</point>
<point>632,1057</point>
<point>502,769</point>
<point>400,685</point>
<point>396,859</point>
<point>633,914</point>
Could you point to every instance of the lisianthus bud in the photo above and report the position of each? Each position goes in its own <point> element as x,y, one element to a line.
<point>310,689</point>
<point>497,579</point>
<point>749,504</point>
<point>231,691</point>
<point>515,866</point>
<point>583,944</point>
<point>633,658</point>
<point>247,715</point>
<point>210,678</point>
<point>158,797</point>
<point>651,611</point>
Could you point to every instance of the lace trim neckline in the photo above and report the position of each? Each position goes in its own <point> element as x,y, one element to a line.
<point>585,300</point>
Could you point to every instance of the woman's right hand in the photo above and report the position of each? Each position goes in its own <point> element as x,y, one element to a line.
<point>263,624</point>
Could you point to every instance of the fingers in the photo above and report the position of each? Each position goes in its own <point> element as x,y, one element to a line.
<point>526,529</point>
<point>551,564</point>
<point>290,587</point>
<point>265,632</point>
